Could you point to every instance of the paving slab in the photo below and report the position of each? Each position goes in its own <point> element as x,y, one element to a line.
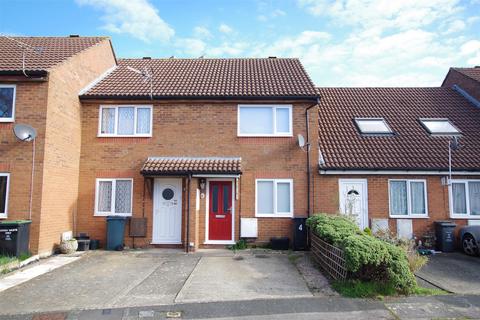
<point>454,272</point>
<point>243,277</point>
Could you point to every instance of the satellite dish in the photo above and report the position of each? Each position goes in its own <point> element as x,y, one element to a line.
<point>301,141</point>
<point>455,143</point>
<point>24,132</point>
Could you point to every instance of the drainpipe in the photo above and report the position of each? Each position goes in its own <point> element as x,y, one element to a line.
<point>307,121</point>
<point>188,213</point>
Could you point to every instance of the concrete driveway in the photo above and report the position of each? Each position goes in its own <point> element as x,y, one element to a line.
<point>103,279</point>
<point>454,272</point>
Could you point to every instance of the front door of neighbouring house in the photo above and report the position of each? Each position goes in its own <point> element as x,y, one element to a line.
<point>167,211</point>
<point>220,211</point>
<point>354,200</point>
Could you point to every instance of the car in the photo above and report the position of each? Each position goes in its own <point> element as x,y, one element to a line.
<point>470,237</point>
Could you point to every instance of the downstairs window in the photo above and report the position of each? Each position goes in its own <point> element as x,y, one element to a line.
<point>113,197</point>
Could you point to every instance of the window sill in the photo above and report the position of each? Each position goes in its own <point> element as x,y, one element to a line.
<point>122,136</point>
<point>467,217</point>
<point>409,217</point>
<point>277,215</point>
<point>3,216</point>
<point>289,135</point>
<point>7,120</point>
<point>112,215</point>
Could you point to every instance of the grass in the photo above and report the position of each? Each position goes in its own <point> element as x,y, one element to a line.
<point>360,289</point>
<point>6,259</point>
<point>371,289</point>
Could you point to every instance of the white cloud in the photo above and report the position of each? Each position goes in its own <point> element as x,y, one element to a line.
<point>455,26</point>
<point>191,47</point>
<point>139,18</point>
<point>223,28</point>
<point>202,32</point>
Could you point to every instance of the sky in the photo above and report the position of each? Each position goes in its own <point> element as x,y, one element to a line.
<point>346,43</point>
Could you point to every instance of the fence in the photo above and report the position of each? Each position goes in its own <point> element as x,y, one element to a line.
<point>330,258</point>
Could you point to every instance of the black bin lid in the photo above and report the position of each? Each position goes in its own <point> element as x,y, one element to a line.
<point>445,223</point>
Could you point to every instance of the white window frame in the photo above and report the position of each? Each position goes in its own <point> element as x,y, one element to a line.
<point>449,134</point>
<point>409,214</point>
<point>275,214</point>
<point>274,119</point>
<point>115,128</point>
<point>112,205</point>
<point>375,133</point>
<point>5,214</point>
<point>12,118</point>
<point>468,215</point>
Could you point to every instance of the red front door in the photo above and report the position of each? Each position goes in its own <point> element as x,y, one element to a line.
<point>220,211</point>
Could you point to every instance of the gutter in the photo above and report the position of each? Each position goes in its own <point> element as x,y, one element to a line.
<point>307,121</point>
<point>199,97</point>
<point>395,172</point>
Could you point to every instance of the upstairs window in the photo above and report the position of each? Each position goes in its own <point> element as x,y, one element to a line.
<point>7,102</point>
<point>113,197</point>
<point>4,181</point>
<point>373,126</point>
<point>265,120</point>
<point>439,127</point>
<point>125,121</point>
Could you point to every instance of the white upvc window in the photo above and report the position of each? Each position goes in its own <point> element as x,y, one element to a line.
<point>263,120</point>
<point>7,102</point>
<point>113,197</point>
<point>408,198</point>
<point>125,121</point>
<point>465,199</point>
<point>4,185</point>
<point>274,198</point>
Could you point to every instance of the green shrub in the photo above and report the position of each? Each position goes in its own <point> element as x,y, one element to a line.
<point>367,258</point>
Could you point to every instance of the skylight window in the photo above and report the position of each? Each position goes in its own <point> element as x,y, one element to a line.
<point>373,126</point>
<point>439,126</point>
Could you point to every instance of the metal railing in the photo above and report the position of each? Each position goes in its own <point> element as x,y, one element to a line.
<point>330,258</point>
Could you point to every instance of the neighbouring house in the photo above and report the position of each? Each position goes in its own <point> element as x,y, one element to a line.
<point>40,78</point>
<point>466,81</point>
<point>384,157</point>
<point>204,149</point>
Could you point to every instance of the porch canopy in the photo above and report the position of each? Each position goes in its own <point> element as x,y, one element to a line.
<point>171,166</point>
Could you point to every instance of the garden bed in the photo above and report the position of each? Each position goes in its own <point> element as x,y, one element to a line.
<point>361,264</point>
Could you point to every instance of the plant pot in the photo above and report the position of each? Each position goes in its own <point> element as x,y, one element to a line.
<point>69,246</point>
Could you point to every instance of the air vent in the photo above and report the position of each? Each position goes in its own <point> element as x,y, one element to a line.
<point>272,57</point>
<point>147,58</point>
<point>74,36</point>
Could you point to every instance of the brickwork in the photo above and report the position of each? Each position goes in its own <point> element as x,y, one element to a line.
<point>326,199</point>
<point>191,129</point>
<point>469,85</point>
<point>53,109</point>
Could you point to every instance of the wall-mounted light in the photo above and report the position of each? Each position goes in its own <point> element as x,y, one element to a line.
<point>202,183</point>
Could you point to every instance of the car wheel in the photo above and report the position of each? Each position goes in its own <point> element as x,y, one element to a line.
<point>469,244</point>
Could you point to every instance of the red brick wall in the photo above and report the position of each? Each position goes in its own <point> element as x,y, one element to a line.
<point>192,129</point>
<point>327,199</point>
<point>456,78</point>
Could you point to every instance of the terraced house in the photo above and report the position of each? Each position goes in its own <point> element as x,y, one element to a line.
<point>199,153</point>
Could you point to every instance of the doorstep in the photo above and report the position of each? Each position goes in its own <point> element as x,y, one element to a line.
<point>43,266</point>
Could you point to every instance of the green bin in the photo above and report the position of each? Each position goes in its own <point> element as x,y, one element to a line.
<point>115,232</point>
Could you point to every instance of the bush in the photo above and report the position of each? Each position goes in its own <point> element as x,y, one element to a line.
<point>367,258</point>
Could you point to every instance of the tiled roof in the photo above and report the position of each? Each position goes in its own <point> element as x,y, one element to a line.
<point>411,147</point>
<point>197,78</point>
<point>43,52</point>
<point>191,165</point>
<point>473,73</point>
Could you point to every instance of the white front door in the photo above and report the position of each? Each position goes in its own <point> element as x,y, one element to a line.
<point>354,200</point>
<point>167,211</point>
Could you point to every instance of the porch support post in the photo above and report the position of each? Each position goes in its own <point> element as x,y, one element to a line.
<point>187,245</point>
